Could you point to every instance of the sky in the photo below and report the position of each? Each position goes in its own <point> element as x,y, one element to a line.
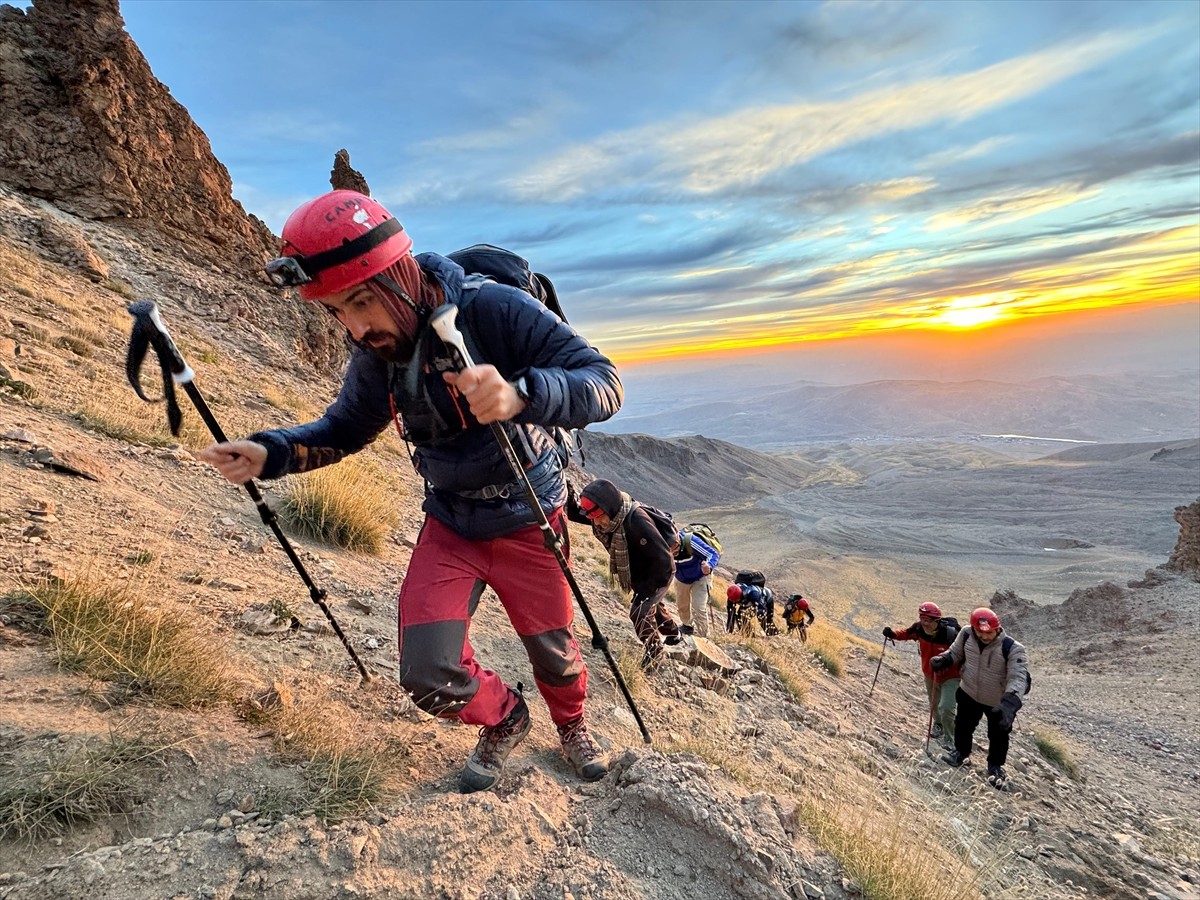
<point>707,180</point>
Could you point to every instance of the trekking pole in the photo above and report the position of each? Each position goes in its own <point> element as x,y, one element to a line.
<point>443,323</point>
<point>935,694</point>
<point>878,667</point>
<point>150,332</point>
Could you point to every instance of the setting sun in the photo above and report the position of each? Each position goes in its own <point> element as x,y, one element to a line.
<point>967,312</point>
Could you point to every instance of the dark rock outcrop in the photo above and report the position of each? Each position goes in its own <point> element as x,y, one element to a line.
<point>86,125</point>
<point>345,178</point>
<point>1186,555</point>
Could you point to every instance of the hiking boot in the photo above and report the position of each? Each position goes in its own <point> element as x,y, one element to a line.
<point>486,762</point>
<point>672,639</point>
<point>996,776</point>
<point>652,657</point>
<point>955,758</point>
<point>580,752</point>
<point>687,630</point>
<point>937,730</point>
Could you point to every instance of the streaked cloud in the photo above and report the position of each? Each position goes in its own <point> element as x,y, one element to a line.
<point>746,146</point>
<point>1009,207</point>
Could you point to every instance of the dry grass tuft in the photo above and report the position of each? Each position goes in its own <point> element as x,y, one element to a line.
<point>1052,745</point>
<point>629,664</point>
<point>110,632</point>
<point>85,333</point>
<point>116,412</point>
<point>882,846</point>
<point>351,505</point>
<point>117,286</point>
<point>78,346</point>
<point>49,788</point>
<point>828,644</point>
<point>349,765</point>
<point>716,750</point>
<point>781,656</point>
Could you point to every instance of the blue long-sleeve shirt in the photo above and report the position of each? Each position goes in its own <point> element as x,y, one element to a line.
<point>688,571</point>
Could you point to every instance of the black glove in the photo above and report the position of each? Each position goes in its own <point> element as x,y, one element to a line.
<point>1009,704</point>
<point>941,661</point>
<point>888,633</point>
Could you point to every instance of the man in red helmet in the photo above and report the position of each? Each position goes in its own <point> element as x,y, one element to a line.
<point>934,633</point>
<point>348,253</point>
<point>995,675</point>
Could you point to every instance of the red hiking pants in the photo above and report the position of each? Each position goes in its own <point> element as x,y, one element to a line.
<point>446,577</point>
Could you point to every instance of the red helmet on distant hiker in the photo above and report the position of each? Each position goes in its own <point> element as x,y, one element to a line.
<point>801,603</point>
<point>983,619</point>
<point>929,610</point>
<point>734,592</point>
<point>336,241</point>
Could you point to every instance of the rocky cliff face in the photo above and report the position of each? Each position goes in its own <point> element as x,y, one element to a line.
<point>1186,555</point>
<point>86,125</point>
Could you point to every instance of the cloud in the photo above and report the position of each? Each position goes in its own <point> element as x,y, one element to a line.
<point>742,149</point>
<point>954,155</point>
<point>1009,207</point>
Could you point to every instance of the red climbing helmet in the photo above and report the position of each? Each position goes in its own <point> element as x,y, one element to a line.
<point>983,619</point>
<point>801,603</point>
<point>930,610</point>
<point>336,241</point>
<point>734,592</point>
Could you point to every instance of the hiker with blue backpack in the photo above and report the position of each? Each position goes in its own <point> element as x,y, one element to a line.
<point>749,596</point>
<point>638,538</point>
<point>346,252</point>
<point>698,554</point>
<point>995,676</point>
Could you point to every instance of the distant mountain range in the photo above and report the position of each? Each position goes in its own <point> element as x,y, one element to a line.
<point>692,472</point>
<point>736,406</point>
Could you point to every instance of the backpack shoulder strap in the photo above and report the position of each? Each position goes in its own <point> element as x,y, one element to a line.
<point>1006,646</point>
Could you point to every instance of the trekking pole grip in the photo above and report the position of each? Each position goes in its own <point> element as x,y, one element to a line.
<point>148,333</point>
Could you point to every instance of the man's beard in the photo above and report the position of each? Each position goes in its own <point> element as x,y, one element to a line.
<point>391,348</point>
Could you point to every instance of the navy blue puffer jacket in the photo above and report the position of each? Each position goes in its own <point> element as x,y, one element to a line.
<point>570,384</point>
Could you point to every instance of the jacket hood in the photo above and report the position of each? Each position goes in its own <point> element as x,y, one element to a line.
<point>605,495</point>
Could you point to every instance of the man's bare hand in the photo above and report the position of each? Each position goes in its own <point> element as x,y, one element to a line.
<point>238,461</point>
<point>491,398</point>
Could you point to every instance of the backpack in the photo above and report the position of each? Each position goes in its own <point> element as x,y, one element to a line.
<point>665,525</point>
<point>1006,648</point>
<point>505,267</point>
<point>757,579</point>
<point>706,534</point>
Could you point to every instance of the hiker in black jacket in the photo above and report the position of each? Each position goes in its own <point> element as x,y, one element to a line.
<point>346,252</point>
<point>639,557</point>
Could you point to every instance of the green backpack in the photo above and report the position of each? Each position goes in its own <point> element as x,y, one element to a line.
<point>706,534</point>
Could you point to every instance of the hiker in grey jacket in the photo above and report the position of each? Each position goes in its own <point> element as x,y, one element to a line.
<point>993,682</point>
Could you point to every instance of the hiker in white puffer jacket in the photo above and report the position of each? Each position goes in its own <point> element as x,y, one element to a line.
<point>994,677</point>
